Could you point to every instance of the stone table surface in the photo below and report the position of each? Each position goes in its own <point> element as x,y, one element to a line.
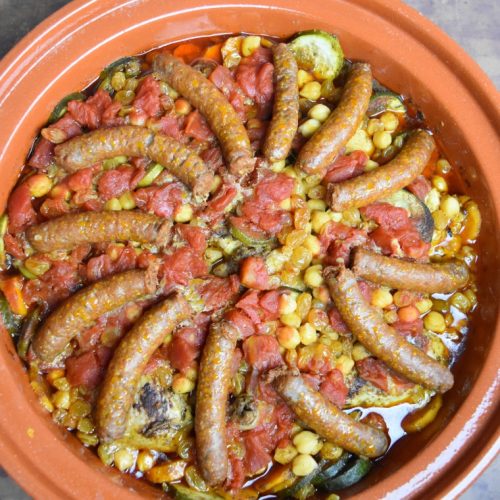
<point>474,24</point>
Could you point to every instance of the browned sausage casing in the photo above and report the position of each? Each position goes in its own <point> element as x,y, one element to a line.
<point>285,118</point>
<point>128,140</point>
<point>383,181</point>
<point>82,309</point>
<point>211,401</point>
<point>324,146</point>
<point>212,104</point>
<point>398,273</point>
<point>368,326</point>
<point>328,420</point>
<point>129,361</point>
<point>69,231</point>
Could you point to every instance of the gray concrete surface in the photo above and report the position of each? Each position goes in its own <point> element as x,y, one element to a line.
<point>474,24</point>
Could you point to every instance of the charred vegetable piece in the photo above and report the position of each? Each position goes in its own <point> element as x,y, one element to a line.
<point>61,108</point>
<point>417,209</point>
<point>28,331</point>
<point>318,52</point>
<point>331,470</point>
<point>385,101</point>
<point>249,234</point>
<point>9,320</point>
<point>354,474</point>
<point>185,493</point>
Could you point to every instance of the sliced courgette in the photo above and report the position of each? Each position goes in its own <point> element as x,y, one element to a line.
<point>359,469</point>
<point>417,209</point>
<point>249,234</point>
<point>318,52</point>
<point>302,483</point>
<point>332,470</point>
<point>385,101</point>
<point>186,493</point>
<point>28,331</point>
<point>10,321</point>
<point>62,106</point>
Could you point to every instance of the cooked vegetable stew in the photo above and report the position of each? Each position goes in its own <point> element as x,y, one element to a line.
<point>236,267</point>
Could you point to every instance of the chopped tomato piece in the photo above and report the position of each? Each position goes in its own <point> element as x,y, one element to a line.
<point>68,126</point>
<point>81,180</point>
<point>115,182</point>
<point>250,304</point>
<point>216,206</point>
<point>346,167</point>
<point>19,209</point>
<point>42,155</point>
<point>316,359</point>
<point>89,113</point>
<point>241,321</point>
<point>161,200</point>
<point>182,265</point>
<point>334,388</point>
<point>269,301</point>
<point>262,352</point>
<point>197,127</point>
<point>256,458</point>
<point>181,353</point>
<point>253,273</point>
<point>218,292</point>
<point>374,371</point>
<point>147,99</point>
<point>420,187</point>
<point>89,368</point>
<point>336,321</point>
<point>194,236</point>
<point>169,125</point>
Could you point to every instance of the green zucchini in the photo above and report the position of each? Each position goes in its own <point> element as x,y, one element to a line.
<point>302,483</point>
<point>185,493</point>
<point>352,475</point>
<point>318,52</point>
<point>385,101</point>
<point>151,174</point>
<point>62,106</point>
<point>332,470</point>
<point>10,321</point>
<point>249,234</point>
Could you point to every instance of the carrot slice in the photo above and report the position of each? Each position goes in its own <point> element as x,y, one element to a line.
<point>187,52</point>
<point>214,52</point>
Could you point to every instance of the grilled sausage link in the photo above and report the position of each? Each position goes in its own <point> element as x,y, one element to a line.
<point>323,147</point>
<point>128,140</point>
<point>368,326</point>
<point>285,118</point>
<point>82,309</point>
<point>212,104</point>
<point>383,181</point>
<point>69,231</point>
<point>211,401</point>
<point>398,273</point>
<point>129,361</point>
<point>328,420</point>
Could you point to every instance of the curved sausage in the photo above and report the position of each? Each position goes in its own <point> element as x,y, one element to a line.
<point>128,140</point>
<point>285,120</point>
<point>326,419</point>
<point>397,273</point>
<point>385,180</point>
<point>212,104</point>
<point>369,327</point>
<point>69,231</point>
<point>211,401</point>
<point>324,146</point>
<point>82,309</point>
<point>129,361</point>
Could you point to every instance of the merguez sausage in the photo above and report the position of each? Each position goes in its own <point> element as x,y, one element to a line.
<point>129,361</point>
<point>328,420</point>
<point>211,401</point>
<point>398,273</point>
<point>128,140</point>
<point>216,109</point>
<point>83,308</point>
<point>368,326</point>
<point>285,118</point>
<point>324,146</point>
<point>383,181</point>
<point>69,231</point>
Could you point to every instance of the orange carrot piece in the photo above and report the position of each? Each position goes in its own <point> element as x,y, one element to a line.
<point>214,52</point>
<point>187,52</point>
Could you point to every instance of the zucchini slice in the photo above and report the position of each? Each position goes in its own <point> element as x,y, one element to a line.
<point>332,470</point>
<point>318,52</point>
<point>417,209</point>
<point>385,101</point>
<point>302,483</point>
<point>9,319</point>
<point>249,234</point>
<point>62,106</point>
<point>185,493</point>
<point>354,474</point>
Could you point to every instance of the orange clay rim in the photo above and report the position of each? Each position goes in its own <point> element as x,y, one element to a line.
<point>45,461</point>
